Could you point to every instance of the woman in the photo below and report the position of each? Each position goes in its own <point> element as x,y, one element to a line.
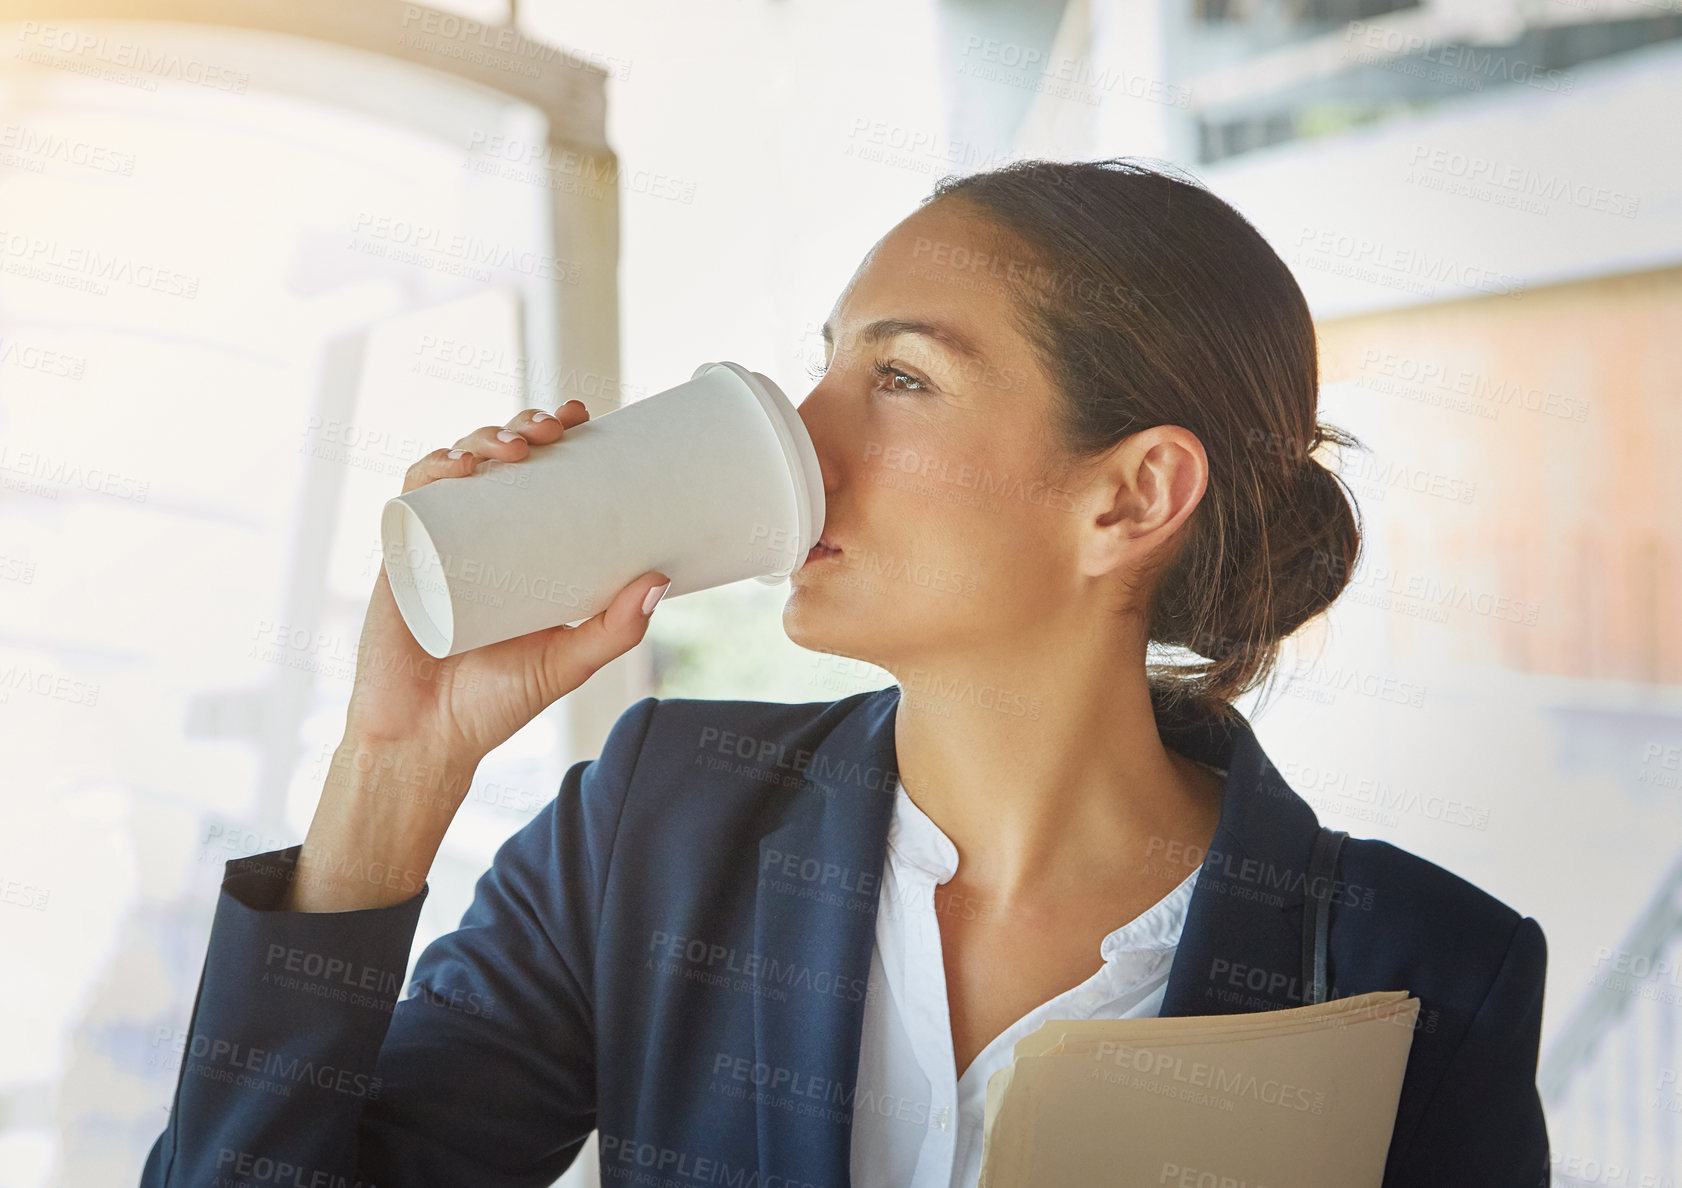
<point>1067,415</point>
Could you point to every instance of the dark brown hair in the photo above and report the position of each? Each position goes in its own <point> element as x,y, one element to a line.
<point>1150,301</point>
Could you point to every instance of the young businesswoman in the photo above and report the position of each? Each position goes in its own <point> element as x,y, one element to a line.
<point>1067,416</point>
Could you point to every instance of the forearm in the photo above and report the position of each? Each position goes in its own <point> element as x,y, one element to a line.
<point>383,813</point>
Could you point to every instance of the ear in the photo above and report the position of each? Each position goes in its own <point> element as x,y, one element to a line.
<point>1142,492</point>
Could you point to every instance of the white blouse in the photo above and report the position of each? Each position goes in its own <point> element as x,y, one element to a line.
<point>916,1123</point>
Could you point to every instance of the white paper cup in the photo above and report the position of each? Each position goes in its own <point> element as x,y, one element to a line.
<point>709,482</point>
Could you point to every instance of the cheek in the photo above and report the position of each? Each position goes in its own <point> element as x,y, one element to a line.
<point>965,547</point>
<point>1018,548</point>
<point>946,514</point>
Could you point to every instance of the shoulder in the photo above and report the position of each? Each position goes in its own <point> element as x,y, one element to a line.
<point>1409,891</point>
<point>1420,924</point>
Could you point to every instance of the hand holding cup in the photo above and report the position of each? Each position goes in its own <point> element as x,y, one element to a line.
<point>469,704</point>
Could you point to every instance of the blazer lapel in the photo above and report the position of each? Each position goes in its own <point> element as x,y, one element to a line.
<point>839,816</point>
<point>1241,947</point>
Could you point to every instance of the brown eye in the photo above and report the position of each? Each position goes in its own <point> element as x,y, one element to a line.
<point>893,375</point>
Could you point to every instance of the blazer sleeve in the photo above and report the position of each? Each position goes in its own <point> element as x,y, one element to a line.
<point>1485,1128</point>
<point>302,1066</point>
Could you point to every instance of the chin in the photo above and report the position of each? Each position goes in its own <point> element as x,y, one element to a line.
<point>805,623</point>
<point>820,618</point>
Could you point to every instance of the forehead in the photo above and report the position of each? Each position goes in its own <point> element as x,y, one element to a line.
<point>943,259</point>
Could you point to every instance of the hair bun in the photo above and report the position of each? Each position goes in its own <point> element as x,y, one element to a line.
<point>1319,546</point>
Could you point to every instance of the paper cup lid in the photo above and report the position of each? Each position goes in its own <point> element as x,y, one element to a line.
<point>805,476</point>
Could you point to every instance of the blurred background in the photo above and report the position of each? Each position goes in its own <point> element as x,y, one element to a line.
<point>256,256</point>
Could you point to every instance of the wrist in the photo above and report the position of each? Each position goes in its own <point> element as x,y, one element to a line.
<point>409,779</point>
<point>383,813</point>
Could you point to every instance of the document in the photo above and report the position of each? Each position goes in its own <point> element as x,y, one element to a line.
<point>1298,1098</point>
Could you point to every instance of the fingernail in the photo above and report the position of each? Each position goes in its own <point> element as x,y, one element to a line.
<point>652,597</point>
<point>457,453</point>
<point>540,415</point>
<point>507,435</point>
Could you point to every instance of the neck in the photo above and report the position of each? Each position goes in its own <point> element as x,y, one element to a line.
<point>1050,786</point>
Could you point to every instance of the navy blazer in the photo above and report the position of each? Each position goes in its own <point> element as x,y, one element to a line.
<point>675,952</point>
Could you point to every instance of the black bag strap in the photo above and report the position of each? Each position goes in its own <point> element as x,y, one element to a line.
<point>1317,911</point>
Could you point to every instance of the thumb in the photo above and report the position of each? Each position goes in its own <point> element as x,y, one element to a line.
<point>579,651</point>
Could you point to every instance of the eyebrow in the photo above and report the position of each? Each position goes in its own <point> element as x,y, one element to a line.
<point>885,328</point>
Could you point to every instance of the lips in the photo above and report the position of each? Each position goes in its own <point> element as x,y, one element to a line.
<point>821,550</point>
